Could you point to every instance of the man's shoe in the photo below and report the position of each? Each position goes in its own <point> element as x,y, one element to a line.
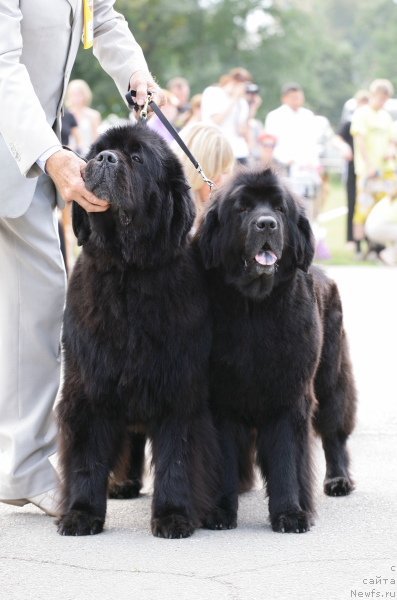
<point>48,502</point>
<point>20,502</point>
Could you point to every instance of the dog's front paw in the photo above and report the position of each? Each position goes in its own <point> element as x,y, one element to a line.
<point>126,490</point>
<point>77,522</point>
<point>291,522</point>
<point>338,486</point>
<point>172,526</point>
<point>221,518</point>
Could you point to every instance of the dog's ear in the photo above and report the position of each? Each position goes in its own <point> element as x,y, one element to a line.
<point>208,238</point>
<point>183,212</point>
<point>80,223</point>
<point>305,244</point>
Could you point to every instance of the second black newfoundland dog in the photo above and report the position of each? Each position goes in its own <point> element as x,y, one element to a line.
<point>279,360</point>
<point>136,340</point>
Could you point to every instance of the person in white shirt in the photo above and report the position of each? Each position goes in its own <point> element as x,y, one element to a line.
<point>226,106</point>
<point>294,128</point>
<point>296,151</point>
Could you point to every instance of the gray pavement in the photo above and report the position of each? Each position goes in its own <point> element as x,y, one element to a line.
<point>350,553</point>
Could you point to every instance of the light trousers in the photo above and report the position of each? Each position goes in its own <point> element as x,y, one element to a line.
<point>381,232</point>
<point>32,296</point>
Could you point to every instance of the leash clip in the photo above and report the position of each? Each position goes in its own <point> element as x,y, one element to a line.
<point>130,97</point>
<point>145,107</point>
<point>209,182</point>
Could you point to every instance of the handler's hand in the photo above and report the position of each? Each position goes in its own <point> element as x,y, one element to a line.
<point>142,82</point>
<point>65,169</point>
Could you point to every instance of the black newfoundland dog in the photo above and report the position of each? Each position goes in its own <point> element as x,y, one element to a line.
<point>279,359</point>
<point>136,341</point>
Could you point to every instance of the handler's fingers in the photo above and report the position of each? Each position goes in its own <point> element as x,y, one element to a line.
<point>87,195</point>
<point>91,206</point>
<point>142,82</point>
<point>92,199</point>
<point>140,85</point>
<point>157,94</point>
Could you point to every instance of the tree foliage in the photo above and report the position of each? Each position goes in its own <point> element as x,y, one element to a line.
<point>330,47</point>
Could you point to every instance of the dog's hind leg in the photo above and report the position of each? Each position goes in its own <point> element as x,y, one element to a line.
<point>338,481</point>
<point>246,438</point>
<point>126,480</point>
<point>90,444</point>
<point>336,395</point>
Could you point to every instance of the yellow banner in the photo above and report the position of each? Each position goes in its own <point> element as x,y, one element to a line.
<point>88,31</point>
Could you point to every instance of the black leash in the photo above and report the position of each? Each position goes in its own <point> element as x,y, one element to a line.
<point>74,152</point>
<point>149,102</point>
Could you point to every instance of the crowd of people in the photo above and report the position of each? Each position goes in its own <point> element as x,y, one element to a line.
<point>221,127</point>
<point>369,135</point>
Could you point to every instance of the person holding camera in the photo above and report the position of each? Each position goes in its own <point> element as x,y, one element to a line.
<point>226,105</point>
<point>38,46</point>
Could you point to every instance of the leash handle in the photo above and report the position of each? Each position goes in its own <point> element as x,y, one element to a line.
<point>170,128</point>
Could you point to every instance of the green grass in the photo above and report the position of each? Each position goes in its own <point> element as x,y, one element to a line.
<point>336,229</point>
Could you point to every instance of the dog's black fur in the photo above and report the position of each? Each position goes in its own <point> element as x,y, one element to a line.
<point>279,359</point>
<point>136,342</point>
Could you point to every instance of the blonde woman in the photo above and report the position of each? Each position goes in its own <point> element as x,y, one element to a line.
<point>213,151</point>
<point>78,102</point>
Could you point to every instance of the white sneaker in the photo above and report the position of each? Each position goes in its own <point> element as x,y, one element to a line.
<point>48,502</point>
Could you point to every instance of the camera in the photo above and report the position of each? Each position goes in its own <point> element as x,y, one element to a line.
<point>252,88</point>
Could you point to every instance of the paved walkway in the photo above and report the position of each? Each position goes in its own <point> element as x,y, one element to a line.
<point>350,553</point>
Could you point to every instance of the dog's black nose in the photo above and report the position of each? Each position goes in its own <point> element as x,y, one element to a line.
<point>265,223</point>
<point>107,156</point>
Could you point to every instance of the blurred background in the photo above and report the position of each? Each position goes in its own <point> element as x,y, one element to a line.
<point>332,48</point>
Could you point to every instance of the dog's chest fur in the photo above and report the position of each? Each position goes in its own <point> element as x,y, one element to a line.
<point>144,327</point>
<point>253,341</point>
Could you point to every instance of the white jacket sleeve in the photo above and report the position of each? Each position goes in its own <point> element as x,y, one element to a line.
<point>114,45</point>
<point>23,123</point>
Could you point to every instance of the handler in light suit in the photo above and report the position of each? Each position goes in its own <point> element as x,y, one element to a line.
<point>38,46</point>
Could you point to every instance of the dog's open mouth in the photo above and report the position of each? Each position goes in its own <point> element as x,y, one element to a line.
<point>263,263</point>
<point>266,256</point>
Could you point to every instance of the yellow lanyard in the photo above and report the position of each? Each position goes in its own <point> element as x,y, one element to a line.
<point>88,31</point>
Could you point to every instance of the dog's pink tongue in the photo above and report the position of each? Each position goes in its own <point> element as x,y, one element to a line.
<point>265,257</point>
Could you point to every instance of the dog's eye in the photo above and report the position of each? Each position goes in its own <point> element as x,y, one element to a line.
<point>279,208</point>
<point>242,209</point>
<point>137,158</point>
